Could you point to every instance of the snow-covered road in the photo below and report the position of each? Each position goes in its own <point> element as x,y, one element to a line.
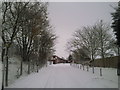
<point>64,76</point>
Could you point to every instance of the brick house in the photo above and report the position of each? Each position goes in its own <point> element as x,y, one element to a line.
<point>55,60</point>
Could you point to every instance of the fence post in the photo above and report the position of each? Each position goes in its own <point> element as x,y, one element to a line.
<point>83,66</point>
<point>87,68</point>
<point>80,66</point>
<point>93,69</point>
<point>100,71</point>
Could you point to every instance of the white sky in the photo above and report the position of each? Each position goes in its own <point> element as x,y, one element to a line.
<point>66,17</point>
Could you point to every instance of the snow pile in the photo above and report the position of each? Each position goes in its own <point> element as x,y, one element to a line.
<point>66,76</point>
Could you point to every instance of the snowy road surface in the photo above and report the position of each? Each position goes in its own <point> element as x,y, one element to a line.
<point>65,76</point>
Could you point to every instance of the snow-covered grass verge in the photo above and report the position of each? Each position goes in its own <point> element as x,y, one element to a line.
<point>108,74</point>
<point>14,69</point>
<point>14,64</point>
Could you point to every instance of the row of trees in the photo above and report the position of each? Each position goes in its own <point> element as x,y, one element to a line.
<point>116,28</point>
<point>26,26</point>
<point>97,41</point>
<point>92,42</point>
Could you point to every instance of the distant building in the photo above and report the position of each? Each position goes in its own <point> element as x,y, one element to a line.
<point>55,60</point>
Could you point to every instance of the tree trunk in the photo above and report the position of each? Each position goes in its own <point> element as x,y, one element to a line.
<point>21,64</point>
<point>23,58</point>
<point>93,64</point>
<point>118,64</point>
<point>3,67</point>
<point>3,53</point>
<point>87,68</point>
<point>102,51</point>
<point>37,68</point>
<point>28,66</point>
<point>103,59</point>
<point>6,77</point>
<point>21,69</point>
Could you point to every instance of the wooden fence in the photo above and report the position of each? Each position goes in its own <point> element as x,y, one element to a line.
<point>109,62</point>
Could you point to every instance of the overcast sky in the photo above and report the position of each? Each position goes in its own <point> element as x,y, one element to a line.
<point>67,17</point>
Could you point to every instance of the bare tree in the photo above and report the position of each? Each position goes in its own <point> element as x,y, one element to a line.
<point>34,31</point>
<point>22,22</point>
<point>95,40</point>
<point>11,13</point>
<point>105,39</point>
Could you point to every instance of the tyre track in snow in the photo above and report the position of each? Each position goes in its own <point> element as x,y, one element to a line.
<point>49,81</point>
